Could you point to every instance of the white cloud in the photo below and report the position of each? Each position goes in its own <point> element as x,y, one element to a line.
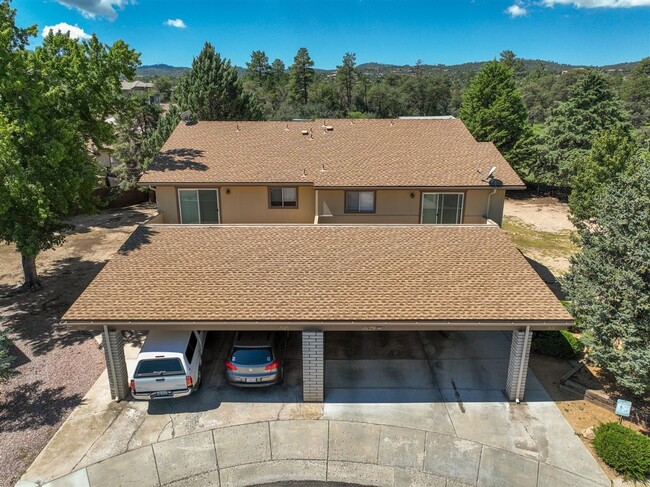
<point>516,10</point>
<point>75,32</point>
<point>97,8</point>
<point>178,23</point>
<point>598,3</point>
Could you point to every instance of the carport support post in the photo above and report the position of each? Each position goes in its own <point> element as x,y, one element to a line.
<point>518,366</point>
<point>118,379</point>
<point>313,366</point>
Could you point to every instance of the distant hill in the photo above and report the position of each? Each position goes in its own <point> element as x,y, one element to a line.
<point>379,69</point>
<point>153,70</point>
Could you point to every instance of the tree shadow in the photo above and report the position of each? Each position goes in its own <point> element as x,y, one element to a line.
<point>178,160</point>
<point>111,218</point>
<point>34,316</point>
<point>34,405</point>
<point>548,277</point>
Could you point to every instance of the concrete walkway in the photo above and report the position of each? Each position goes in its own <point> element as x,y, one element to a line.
<point>319,450</point>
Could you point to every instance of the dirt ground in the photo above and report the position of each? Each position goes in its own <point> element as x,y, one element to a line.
<point>549,219</point>
<point>47,385</point>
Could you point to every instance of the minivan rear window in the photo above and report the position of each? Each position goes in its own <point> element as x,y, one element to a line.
<point>159,366</point>
<point>251,356</point>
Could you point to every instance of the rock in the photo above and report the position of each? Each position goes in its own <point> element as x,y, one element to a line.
<point>589,433</point>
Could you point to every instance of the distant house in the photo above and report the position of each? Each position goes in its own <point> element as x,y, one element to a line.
<point>137,86</point>
<point>324,225</point>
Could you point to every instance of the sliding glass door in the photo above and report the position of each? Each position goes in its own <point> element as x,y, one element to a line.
<point>442,208</point>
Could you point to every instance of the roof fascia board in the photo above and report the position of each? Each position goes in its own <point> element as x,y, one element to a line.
<point>322,325</point>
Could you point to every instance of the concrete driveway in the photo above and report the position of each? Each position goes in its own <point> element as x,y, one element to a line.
<point>422,403</point>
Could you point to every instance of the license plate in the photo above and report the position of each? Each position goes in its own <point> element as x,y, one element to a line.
<point>251,379</point>
<point>162,394</point>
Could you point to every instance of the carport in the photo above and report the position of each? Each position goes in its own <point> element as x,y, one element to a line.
<point>316,279</point>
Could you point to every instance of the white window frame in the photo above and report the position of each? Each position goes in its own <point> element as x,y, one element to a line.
<point>459,211</point>
<point>283,206</point>
<point>180,213</point>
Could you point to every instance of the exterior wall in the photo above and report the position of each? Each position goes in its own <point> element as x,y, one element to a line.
<point>397,206</point>
<point>476,205</point>
<point>391,206</point>
<point>250,204</point>
<point>167,201</point>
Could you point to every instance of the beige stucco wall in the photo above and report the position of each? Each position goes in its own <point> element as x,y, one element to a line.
<point>397,206</point>
<point>167,202</point>
<point>250,204</point>
<point>391,205</point>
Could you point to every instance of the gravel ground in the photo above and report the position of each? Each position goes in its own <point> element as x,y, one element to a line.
<point>54,367</point>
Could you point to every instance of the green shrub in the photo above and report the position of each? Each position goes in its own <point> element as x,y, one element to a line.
<point>623,449</point>
<point>561,344</point>
<point>5,359</point>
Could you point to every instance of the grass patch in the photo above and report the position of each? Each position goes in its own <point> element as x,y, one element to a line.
<point>528,238</point>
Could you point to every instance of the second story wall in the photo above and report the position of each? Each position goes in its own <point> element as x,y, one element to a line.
<point>250,204</point>
<point>405,206</point>
<point>243,204</point>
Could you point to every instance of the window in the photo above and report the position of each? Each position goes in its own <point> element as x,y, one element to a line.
<point>198,205</point>
<point>283,197</point>
<point>158,367</point>
<point>442,207</point>
<point>191,346</point>
<point>360,202</point>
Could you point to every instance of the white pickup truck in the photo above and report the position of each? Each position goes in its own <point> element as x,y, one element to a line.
<point>168,365</point>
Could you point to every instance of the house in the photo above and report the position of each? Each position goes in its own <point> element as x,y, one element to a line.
<point>323,225</point>
<point>137,86</point>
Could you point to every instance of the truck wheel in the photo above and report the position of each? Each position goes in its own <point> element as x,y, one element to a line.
<point>198,381</point>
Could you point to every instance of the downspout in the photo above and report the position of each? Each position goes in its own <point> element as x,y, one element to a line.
<point>487,208</point>
<point>111,363</point>
<point>524,351</point>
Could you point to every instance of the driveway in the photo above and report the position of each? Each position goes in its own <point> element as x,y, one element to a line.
<point>398,406</point>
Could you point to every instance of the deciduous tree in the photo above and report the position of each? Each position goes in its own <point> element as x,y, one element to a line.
<point>54,100</point>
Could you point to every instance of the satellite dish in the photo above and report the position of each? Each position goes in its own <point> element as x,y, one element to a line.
<point>490,173</point>
<point>186,115</point>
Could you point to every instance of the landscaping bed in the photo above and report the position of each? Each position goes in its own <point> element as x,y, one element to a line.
<point>48,383</point>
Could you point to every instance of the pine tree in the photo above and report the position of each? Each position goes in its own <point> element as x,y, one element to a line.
<point>611,154</point>
<point>635,93</point>
<point>258,68</point>
<point>493,111</point>
<point>609,281</point>
<point>346,77</point>
<point>212,90</point>
<point>301,76</point>
<point>591,108</point>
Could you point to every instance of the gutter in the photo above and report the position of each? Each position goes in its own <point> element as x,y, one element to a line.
<point>319,325</point>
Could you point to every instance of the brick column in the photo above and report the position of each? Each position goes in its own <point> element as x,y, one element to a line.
<point>118,378</point>
<point>518,366</point>
<point>313,366</point>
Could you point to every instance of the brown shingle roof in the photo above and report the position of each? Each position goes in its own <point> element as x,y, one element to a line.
<point>362,153</point>
<point>318,273</point>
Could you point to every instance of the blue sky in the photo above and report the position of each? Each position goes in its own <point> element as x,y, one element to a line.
<point>593,32</point>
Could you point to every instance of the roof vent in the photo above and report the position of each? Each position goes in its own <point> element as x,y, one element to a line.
<point>286,129</point>
<point>304,132</point>
<point>322,168</point>
<point>329,128</point>
<point>304,173</point>
<point>238,129</point>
